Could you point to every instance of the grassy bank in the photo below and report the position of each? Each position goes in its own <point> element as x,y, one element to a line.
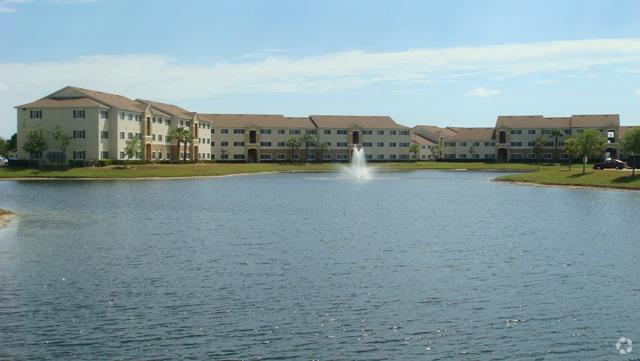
<point>218,169</point>
<point>565,177</point>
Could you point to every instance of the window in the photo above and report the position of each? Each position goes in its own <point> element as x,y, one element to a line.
<point>35,114</point>
<point>367,144</point>
<point>224,131</point>
<point>265,131</point>
<point>281,131</point>
<point>567,131</point>
<point>449,144</point>
<point>531,131</point>
<point>547,156</point>
<point>392,156</point>
<point>564,156</point>
<point>238,131</point>
<point>327,131</point>
<point>104,134</point>
<point>367,132</point>
<point>328,144</point>
<point>404,132</point>
<point>159,137</point>
<point>238,144</point>
<point>393,132</point>
<point>579,131</point>
<point>476,144</point>
<point>265,144</point>
<point>168,156</point>
<point>546,131</point>
<point>121,135</point>
<point>516,131</point>
<point>104,114</point>
<point>341,157</point>
<point>139,136</point>
<point>130,116</point>
<point>341,144</point>
<point>548,144</point>
<point>224,144</point>
<point>516,144</point>
<point>78,154</point>
<point>404,144</point>
<point>310,131</point>
<point>531,156</point>
<point>238,156</point>
<point>265,156</point>
<point>121,155</point>
<point>516,156</point>
<point>393,144</point>
<point>463,156</point>
<point>381,132</point>
<point>78,113</point>
<point>153,137</point>
<point>121,115</point>
<point>404,156</point>
<point>531,144</point>
<point>326,156</point>
<point>489,156</point>
<point>463,144</point>
<point>153,120</point>
<point>167,122</point>
<point>380,157</point>
<point>78,134</point>
<point>489,144</point>
<point>224,156</point>
<point>342,132</point>
<point>380,144</point>
<point>129,135</point>
<point>281,144</point>
<point>294,131</point>
<point>138,117</point>
<point>153,155</point>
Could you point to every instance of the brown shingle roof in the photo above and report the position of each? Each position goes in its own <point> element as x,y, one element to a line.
<point>532,121</point>
<point>170,109</point>
<point>113,100</point>
<point>471,133</point>
<point>432,132</point>
<point>347,121</point>
<point>64,103</point>
<point>257,120</point>
<point>595,121</point>
<point>417,138</point>
<point>625,129</point>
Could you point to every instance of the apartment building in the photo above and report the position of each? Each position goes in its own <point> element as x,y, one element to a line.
<point>100,124</point>
<point>513,138</point>
<point>426,150</point>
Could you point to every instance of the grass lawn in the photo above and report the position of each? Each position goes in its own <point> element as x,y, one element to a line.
<point>213,169</point>
<point>592,178</point>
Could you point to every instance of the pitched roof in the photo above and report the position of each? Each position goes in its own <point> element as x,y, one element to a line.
<point>64,103</point>
<point>257,120</point>
<point>170,109</point>
<point>113,100</point>
<point>532,121</point>
<point>432,132</point>
<point>595,121</point>
<point>417,138</point>
<point>347,121</point>
<point>626,128</point>
<point>472,133</point>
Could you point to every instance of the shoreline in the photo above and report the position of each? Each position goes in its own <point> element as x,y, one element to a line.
<point>250,173</point>
<point>570,186</point>
<point>5,218</point>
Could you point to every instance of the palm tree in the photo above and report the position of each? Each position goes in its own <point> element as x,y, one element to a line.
<point>538,149</point>
<point>293,143</point>
<point>323,148</point>
<point>556,134</point>
<point>177,134</point>
<point>188,137</point>
<point>308,140</point>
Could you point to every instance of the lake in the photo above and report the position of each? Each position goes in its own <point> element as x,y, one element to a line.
<point>408,266</point>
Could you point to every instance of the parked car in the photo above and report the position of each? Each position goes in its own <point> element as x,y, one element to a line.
<point>611,163</point>
<point>3,161</point>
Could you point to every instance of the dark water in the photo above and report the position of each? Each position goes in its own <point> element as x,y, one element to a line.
<point>415,266</point>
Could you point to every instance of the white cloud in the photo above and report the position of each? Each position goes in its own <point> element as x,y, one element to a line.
<point>7,6</point>
<point>166,78</point>
<point>637,92</point>
<point>482,92</point>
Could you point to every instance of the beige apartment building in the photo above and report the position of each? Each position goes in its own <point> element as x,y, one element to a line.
<point>513,137</point>
<point>101,123</point>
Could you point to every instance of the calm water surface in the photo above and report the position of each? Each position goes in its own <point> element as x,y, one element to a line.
<point>412,266</point>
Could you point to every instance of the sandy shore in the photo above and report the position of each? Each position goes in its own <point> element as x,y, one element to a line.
<point>570,186</point>
<point>5,217</point>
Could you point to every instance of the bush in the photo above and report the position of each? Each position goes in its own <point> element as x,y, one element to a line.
<point>17,163</point>
<point>105,162</point>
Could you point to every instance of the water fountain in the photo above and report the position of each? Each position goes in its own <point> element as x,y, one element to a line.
<point>359,169</point>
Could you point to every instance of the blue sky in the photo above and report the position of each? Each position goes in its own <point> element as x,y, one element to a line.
<point>456,63</point>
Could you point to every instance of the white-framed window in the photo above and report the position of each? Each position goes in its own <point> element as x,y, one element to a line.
<point>104,134</point>
<point>224,144</point>
<point>280,156</point>
<point>282,144</point>
<point>265,156</point>
<point>153,155</point>
<point>121,115</point>
<point>531,156</point>
<point>78,155</point>
<point>547,156</point>
<point>367,144</point>
<point>381,132</point>
<point>296,156</point>
<point>265,131</point>
<point>238,144</point>
<point>238,131</point>
<point>327,131</point>
<point>489,156</point>
<point>404,132</point>
<point>392,156</point>
<point>380,144</point>
<point>294,131</point>
<point>104,155</point>
<point>516,131</point>
<point>121,135</point>
<point>516,156</point>
<point>104,114</point>
<point>326,156</point>
<point>341,156</point>
<point>310,131</point>
<point>129,135</point>
<point>341,132</point>
<point>404,156</point>
<point>463,156</point>
<point>380,157</point>
<point>341,144</point>
<point>367,132</point>
<point>404,145</point>
<point>564,156</point>
<point>265,144</point>
<point>78,113</point>
<point>224,131</point>
<point>531,131</point>
<point>238,156</point>
<point>393,144</point>
<point>281,131</point>
<point>35,114</point>
<point>393,132</point>
<point>121,154</point>
<point>168,156</point>
<point>159,137</point>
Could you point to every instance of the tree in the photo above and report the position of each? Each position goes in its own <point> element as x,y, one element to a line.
<point>13,143</point>
<point>292,143</point>
<point>631,145</point>
<point>179,135</point>
<point>436,151</point>
<point>188,137</point>
<point>308,140</point>
<point>572,149</point>
<point>132,149</point>
<point>591,144</point>
<point>413,149</point>
<point>4,146</point>
<point>35,142</point>
<point>556,134</point>
<point>538,148</point>
<point>323,148</point>
<point>63,140</point>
